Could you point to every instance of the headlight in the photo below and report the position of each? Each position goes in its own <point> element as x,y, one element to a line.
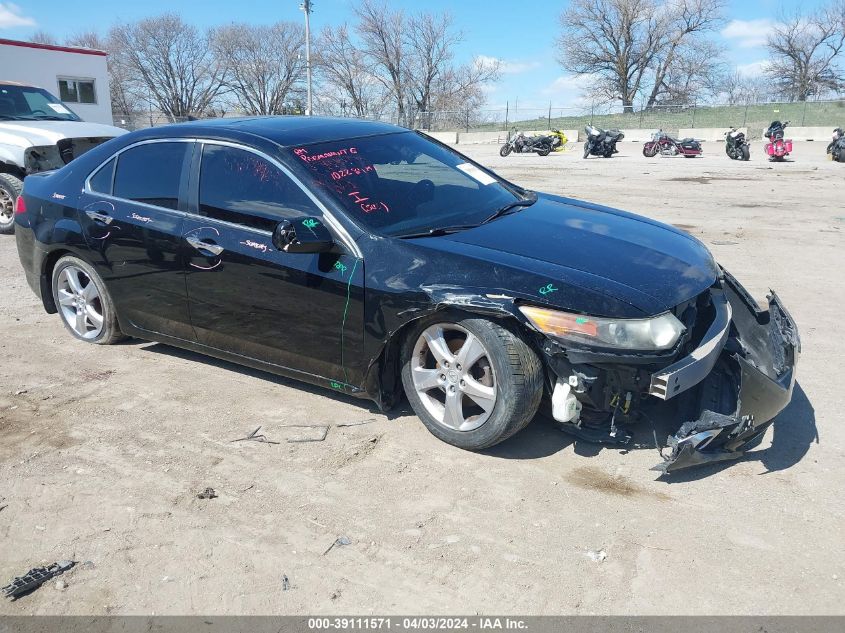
<point>652,334</point>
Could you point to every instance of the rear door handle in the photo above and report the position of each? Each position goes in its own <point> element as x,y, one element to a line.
<point>99,216</point>
<point>200,245</point>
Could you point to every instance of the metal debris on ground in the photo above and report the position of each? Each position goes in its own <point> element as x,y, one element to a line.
<point>322,433</point>
<point>285,583</point>
<point>255,437</point>
<point>340,540</point>
<point>34,578</point>
<point>3,506</point>
<point>208,493</point>
<point>367,421</point>
<point>596,555</point>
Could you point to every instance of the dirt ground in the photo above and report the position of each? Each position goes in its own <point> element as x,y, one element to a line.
<point>104,449</point>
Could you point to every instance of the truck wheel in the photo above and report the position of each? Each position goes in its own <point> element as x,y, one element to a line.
<point>10,189</point>
<point>84,303</point>
<point>472,382</point>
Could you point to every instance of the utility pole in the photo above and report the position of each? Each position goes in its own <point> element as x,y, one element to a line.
<point>306,7</point>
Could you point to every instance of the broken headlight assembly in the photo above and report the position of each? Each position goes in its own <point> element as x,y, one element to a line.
<point>655,334</point>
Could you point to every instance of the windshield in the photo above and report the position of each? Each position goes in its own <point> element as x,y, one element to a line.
<point>25,103</point>
<point>402,184</point>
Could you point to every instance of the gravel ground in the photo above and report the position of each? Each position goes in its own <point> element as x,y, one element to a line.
<point>104,450</point>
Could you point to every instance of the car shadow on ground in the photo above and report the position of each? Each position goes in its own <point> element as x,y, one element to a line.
<point>402,409</point>
<point>793,431</point>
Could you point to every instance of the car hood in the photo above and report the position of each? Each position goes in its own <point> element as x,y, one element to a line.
<point>646,264</point>
<point>39,133</point>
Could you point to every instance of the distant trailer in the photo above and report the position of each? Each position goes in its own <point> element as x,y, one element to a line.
<point>78,76</point>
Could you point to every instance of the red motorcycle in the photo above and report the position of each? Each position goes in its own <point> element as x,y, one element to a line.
<point>778,148</point>
<point>663,144</point>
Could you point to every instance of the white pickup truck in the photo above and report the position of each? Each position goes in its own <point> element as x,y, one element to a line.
<point>38,133</point>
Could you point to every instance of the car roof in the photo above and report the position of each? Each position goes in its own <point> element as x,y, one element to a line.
<point>283,130</point>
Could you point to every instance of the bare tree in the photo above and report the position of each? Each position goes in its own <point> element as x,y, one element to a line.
<point>169,62</point>
<point>262,64</point>
<point>345,71</point>
<point>88,39</point>
<point>43,37</point>
<point>430,41</point>
<point>804,52</point>
<point>696,72</point>
<point>631,45</point>
<point>381,32</point>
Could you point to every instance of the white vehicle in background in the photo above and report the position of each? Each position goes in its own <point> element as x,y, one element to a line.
<point>38,133</point>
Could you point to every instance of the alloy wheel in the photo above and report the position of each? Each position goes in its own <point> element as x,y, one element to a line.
<point>7,208</point>
<point>453,376</point>
<point>80,302</point>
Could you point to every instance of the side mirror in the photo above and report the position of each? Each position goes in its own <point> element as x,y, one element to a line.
<point>303,235</point>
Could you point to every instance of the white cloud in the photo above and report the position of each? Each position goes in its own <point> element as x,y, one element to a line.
<point>753,69</point>
<point>508,67</point>
<point>748,33</point>
<point>11,16</point>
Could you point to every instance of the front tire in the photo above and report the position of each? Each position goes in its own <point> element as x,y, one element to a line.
<point>472,382</point>
<point>83,302</point>
<point>505,150</point>
<point>649,150</point>
<point>586,149</point>
<point>746,152</point>
<point>10,190</point>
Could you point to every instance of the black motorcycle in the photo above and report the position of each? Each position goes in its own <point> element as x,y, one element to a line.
<point>521,144</point>
<point>601,142</point>
<point>836,148</point>
<point>736,145</point>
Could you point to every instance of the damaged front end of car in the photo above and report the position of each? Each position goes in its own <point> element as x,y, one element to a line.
<point>719,365</point>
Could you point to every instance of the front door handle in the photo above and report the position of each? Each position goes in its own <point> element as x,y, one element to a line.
<point>201,245</point>
<point>99,216</point>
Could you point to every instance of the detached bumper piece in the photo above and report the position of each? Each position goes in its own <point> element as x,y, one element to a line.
<point>750,377</point>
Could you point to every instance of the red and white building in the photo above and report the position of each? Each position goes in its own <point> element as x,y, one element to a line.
<point>78,76</point>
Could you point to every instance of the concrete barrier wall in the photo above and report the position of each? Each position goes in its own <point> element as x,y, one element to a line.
<point>471,138</point>
<point>451,138</point>
<point>707,133</point>
<point>808,133</point>
<point>638,135</point>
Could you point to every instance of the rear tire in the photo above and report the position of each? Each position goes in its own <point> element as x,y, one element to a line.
<point>496,395</point>
<point>84,303</point>
<point>746,152</point>
<point>505,150</point>
<point>10,190</point>
<point>544,150</point>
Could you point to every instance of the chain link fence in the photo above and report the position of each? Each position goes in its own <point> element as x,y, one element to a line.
<point>754,116</point>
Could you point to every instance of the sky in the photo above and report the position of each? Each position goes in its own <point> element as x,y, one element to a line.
<point>521,36</point>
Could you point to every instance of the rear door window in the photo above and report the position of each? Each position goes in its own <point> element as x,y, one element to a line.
<point>243,188</point>
<point>151,174</point>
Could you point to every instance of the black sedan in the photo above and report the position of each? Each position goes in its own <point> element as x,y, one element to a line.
<point>376,261</point>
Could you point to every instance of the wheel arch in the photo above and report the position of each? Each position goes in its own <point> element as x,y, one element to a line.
<point>383,381</point>
<point>46,277</point>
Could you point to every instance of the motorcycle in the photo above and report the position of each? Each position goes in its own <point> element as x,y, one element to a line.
<point>836,148</point>
<point>559,140</point>
<point>522,144</point>
<point>778,148</point>
<point>601,142</point>
<point>665,145</point>
<point>736,146</point>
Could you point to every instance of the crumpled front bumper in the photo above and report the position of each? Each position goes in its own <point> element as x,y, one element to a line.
<point>750,374</point>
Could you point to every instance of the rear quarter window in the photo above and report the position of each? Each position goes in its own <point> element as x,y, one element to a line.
<point>101,181</point>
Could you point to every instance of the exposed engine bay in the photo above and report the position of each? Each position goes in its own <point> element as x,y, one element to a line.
<point>47,157</point>
<point>730,374</point>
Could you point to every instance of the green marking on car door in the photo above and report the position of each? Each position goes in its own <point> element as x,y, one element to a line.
<point>343,323</point>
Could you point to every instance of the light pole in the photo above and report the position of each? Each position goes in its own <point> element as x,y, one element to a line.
<point>306,7</point>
